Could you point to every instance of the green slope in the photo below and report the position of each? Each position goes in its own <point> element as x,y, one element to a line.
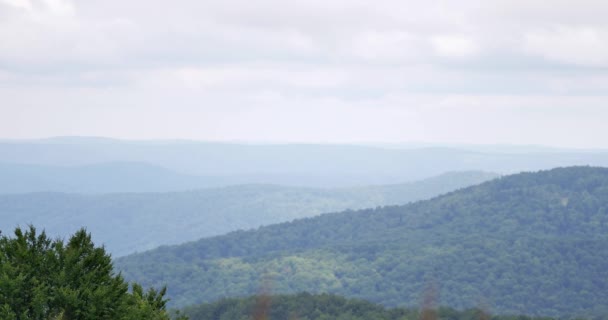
<point>532,243</point>
<point>132,222</point>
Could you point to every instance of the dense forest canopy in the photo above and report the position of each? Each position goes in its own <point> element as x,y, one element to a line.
<point>531,243</point>
<point>305,306</point>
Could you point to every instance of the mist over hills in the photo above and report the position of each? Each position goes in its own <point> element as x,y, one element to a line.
<point>131,222</point>
<point>108,177</point>
<point>220,164</point>
<point>531,243</point>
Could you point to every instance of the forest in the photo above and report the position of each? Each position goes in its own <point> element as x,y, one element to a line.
<point>530,243</point>
<point>306,306</point>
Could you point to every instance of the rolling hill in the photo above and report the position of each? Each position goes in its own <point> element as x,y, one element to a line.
<point>130,222</point>
<point>312,165</point>
<point>111,177</point>
<point>530,243</point>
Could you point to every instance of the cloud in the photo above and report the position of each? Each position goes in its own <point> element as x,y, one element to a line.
<point>454,46</point>
<point>100,33</point>
<point>59,7</point>
<point>585,46</point>
<point>21,4</point>
<point>238,69</point>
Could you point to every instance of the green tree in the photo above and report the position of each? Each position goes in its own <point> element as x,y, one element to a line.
<point>41,278</point>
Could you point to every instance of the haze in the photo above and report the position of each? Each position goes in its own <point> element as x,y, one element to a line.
<point>516,72</point>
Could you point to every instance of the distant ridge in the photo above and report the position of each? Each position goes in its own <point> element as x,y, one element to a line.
<point>109,177</point>
<point>312,165</point>
<point>131,222</point>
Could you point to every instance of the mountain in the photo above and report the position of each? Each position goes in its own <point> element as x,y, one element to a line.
<point>293,164</point>
<point>98,178</point>
<point>131,222</point>
<point>530,243</point>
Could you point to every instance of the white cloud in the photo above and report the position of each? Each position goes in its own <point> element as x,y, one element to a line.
<point>59,7</point>
<point>22,4</point>
<point>586,46</point>
<point>407,70</point>
<point>385,46</point>
<point>454,46</point>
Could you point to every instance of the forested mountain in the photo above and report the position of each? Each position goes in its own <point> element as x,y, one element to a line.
<point>292,164</point>
<point>305,306</point>
<point>132,222</point>
<point>530,243</point>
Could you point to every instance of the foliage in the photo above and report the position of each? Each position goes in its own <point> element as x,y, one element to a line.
<point>42,278</point>
<point>532,243</point>
<point>305,306</point>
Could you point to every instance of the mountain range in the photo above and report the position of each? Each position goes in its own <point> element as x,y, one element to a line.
<point>529,243</point>
<point>131,222</point>
<point>192,164</point>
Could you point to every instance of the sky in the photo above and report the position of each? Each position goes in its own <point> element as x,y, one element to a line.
<point>337,71</point>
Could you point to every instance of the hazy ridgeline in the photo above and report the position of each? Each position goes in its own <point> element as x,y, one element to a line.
<point>127,166</point>
<point>532,243</point>
<point>130,222</point>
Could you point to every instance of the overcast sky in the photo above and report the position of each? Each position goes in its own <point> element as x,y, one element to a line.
<point>519,72</point>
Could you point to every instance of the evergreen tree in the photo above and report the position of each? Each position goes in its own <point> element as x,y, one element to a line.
<point>42,278</point>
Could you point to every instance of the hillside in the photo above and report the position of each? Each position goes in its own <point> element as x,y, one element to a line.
<point>130,222</point>
<point>293,164</point>
<point>531,243</point>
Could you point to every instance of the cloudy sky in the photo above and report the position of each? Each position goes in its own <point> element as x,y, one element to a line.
<point>501,71</point>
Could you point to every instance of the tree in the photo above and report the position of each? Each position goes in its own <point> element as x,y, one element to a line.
<point>42,278</point>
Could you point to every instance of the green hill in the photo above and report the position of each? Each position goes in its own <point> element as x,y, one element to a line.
<point>131,222</point>
<point>531,243</point>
